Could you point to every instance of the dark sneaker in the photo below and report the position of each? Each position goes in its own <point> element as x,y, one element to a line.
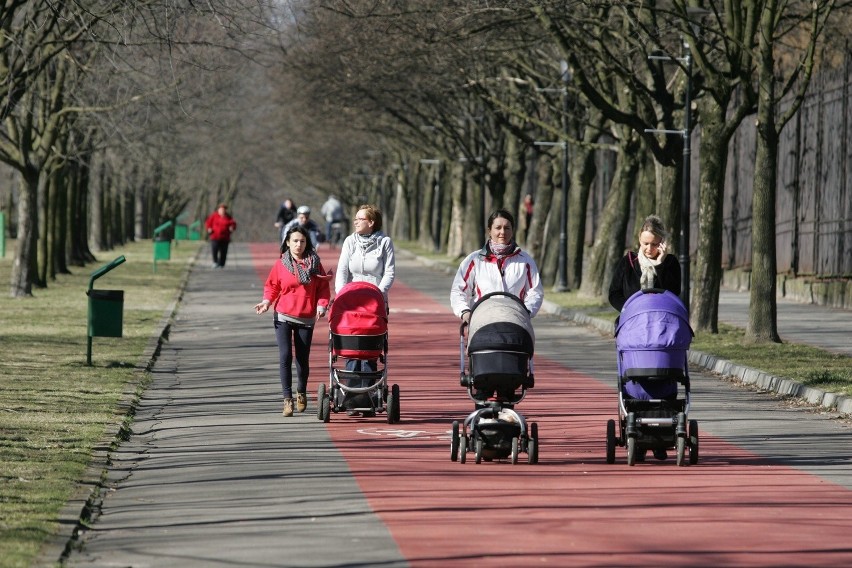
<point>660,454</point>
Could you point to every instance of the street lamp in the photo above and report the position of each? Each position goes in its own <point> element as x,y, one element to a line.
<point>686,133</point>
<point>562,281</point>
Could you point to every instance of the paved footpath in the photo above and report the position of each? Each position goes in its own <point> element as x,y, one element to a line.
<point>213,475</point>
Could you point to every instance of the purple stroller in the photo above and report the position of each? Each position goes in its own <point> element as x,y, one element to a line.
<point>652,337</point>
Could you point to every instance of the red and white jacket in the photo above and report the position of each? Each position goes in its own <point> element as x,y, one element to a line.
<point>480,273</point>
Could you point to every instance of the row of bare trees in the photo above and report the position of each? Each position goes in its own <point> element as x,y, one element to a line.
<point>451,99</point>
<point>117,116</point>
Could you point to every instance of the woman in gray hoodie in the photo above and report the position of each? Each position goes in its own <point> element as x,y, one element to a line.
<point>367,254</point>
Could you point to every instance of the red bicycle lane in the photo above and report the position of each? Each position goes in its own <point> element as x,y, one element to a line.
<point>732,509</point>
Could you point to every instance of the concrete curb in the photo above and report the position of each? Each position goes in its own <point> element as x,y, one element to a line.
<point>86,497</point>
<point>711,363</point>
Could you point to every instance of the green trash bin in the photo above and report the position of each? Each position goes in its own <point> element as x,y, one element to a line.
<point>106,313</point>
<point>162,248</point>
<point>181,232</point>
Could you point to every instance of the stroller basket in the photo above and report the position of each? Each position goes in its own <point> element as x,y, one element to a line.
<point>358,346</point>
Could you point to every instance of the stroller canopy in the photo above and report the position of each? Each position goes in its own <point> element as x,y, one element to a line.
<point>500,322</point>
<point>358,309</point>
<point>653,320</point>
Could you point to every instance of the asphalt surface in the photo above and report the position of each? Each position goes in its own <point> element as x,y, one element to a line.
<point>214,476</point>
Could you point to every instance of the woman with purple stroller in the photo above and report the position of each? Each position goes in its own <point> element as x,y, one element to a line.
<point>652,338</point>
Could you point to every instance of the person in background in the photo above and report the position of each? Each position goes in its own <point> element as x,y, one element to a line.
<point>332,210</point>
<point>286,213</point>
<point>649,267</point>
<point>219,226</point>
<point>366,256</point>
<point>303,219</point>
<point>500,266</point>
<point>528,208</point>
<point>298,289</point>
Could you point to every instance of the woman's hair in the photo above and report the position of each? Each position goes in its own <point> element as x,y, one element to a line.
<point>501,213</point>
<point>309,246</point>
<point>374,214</point>
<point>654,225</point>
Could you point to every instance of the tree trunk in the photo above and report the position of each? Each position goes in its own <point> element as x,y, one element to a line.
<point>609,243</point>
<point>535,242</point>
<point>707,273</point>
<point>24,266</point>
<point>762,311</point>
<point>583,171</point>
<point>460,210</point>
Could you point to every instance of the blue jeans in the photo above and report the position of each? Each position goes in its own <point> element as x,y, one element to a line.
<point>291,335</point>
<point>362,366</point>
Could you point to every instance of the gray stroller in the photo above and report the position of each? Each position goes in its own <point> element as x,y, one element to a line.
<point>500,343</point>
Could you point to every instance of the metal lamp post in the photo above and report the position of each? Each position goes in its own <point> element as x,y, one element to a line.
<point>562,275</point>
<point>686,133</point>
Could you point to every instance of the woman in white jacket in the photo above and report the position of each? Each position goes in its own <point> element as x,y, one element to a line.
<point>500,266</point>
<point>366,254</point>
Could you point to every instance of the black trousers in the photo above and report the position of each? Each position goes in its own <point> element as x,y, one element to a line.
<point>220,252</point>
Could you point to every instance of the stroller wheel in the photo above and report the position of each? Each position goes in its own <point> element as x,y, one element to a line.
<point>631,450</point>
<point>693,442</point>
<point>393,405</point>
<point>478,446</point>
<point>610,441</point>
<point>320,397</point>
<point>516,443</point>
<point>454,442</point>
<point>325,406</point>
<point>463,449</point>
<point>532,444</point>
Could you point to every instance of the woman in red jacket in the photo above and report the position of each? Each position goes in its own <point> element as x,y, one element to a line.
<point>219,226</point>
<point>297,287</point>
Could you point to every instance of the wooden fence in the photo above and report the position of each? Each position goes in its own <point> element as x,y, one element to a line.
<point>814,198</point>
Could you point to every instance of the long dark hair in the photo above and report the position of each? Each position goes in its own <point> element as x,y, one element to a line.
<point>309,246</point>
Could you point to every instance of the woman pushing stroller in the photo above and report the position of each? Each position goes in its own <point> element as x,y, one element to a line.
<point>500,266</point>
<point>496,291</point>
<point>648,268</point>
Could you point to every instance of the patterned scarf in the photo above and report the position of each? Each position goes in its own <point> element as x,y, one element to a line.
<point>366,242</point>
<point>501,251</point>
<point>303,269</point>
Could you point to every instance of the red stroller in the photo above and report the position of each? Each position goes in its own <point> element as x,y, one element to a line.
<point>358,334</point>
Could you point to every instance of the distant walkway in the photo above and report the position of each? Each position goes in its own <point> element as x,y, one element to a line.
<point>819,326</point>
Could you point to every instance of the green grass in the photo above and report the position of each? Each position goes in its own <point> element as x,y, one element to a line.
<point>54,408</point>
<point>808,365</point>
